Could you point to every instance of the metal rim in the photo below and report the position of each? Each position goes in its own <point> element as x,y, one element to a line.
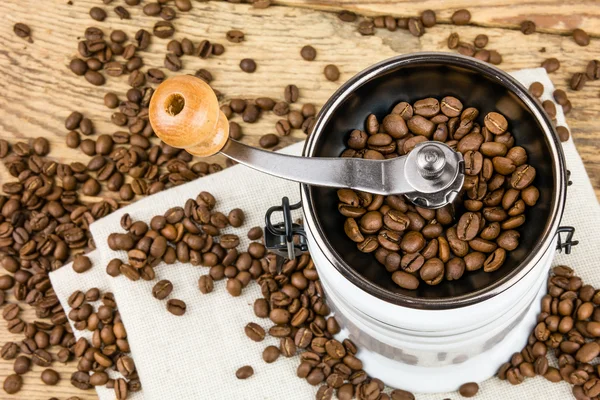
<point>492,73</point>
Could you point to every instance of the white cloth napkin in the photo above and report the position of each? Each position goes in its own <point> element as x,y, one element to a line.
<point>195,356</point>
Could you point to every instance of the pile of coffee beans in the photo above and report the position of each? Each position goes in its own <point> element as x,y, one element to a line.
<point>560,96</point>
<point>108,349</point>
<point>415,25</point>
<point>189,234</point>
<point>475,49</point>
<point>568,328</point>
<point>433,245</point>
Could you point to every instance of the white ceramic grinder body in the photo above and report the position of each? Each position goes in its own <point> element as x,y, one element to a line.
<point>436,338</point>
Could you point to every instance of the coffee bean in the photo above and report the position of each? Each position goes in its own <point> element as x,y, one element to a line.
<point>176,307</point>
<point>168,13</point>
<point>451,106</point>
<point>453,40</point>
<point>261,308</point>
<point>366,28</point>
<point>9,351</point>
<point>94,77</point>
<point>291,93</point>
<point>581,37</point>
<point>536,89</point>
<point>23,31</point>
<point>11,312</point>
<point>163,29</point>
<point>405,280</point>
<point>527,27</point>
<point>592,71</point>
<point>73,120</point>
<point>269,140</point>
<point>162,289</point>
<point>428,18</point>
<point>398,394</point>
<point>234,287</point>
<point>308,53</point>
<point>563,133</point>
<point>347,16</point>
<point>12,383</point>
<point>244,372</point>
<point>495,57</point>
<point>461,17</point>
<point>551,64</point>
<point>172,62</point>
<point>415,27</point>
<point>468,389</point>
<point>270,354</point>
<point>122,12</point>
<point>235,36</point>
<point>205,283</point>
<point>81,263</point>
<point>22,365</point>
<point>204,49</point>
<point>332,73</point>
<point>50,377</point>
<point>578,81</point>
<point>495,123</point>
<point>248,65</point>
<point>466,49</point>
<point>255,332</point>
<point>97,14</point>
<point>41,358</point>
<point>183,5</point>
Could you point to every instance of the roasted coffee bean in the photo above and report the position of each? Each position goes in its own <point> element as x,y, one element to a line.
<point>332,73</point>
<point>261,308</point>
<point>244,372</point>
<point>50,377</point>
<point>461,17</point>
<point>468,389</point>
<point>536,89</point>
<point>22,30</point>
<point>176,307</point>
<point>270,354</point>
<point>81,263</point>
<point>308,53</point>
<point>592,72</point>
<point>268,141</point>
<point>581,37</point>
<point>415,27</point>
<point>205,284</point>
<point>162,289</point>
<point>163,29</point>
<point>97,14</point>
<point>12,383</point>
<point>453,40</point>
<point>22,365</point>
<point>405,280</point>
<point>41,358</point>
<point>551,64</point>
<point>527,27</point>
<point>255,332</point>
<point>248,65</point>
<point>578,81</point>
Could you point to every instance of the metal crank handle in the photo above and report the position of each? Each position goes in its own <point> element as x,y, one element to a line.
<point>184,113</point>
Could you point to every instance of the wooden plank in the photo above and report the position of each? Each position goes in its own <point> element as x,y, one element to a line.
<point>550,16</point>
<point>38,91</point>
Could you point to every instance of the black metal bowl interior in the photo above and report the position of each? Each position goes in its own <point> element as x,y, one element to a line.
<point>474,86</point>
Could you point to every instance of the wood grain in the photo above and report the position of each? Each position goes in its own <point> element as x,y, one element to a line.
<point>550,16</point>
<point>38,91</point>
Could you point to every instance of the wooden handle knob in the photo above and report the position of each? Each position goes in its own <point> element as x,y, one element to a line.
<point>184,113</point>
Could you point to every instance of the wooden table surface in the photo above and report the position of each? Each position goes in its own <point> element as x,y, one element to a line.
<point>38,91</point>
